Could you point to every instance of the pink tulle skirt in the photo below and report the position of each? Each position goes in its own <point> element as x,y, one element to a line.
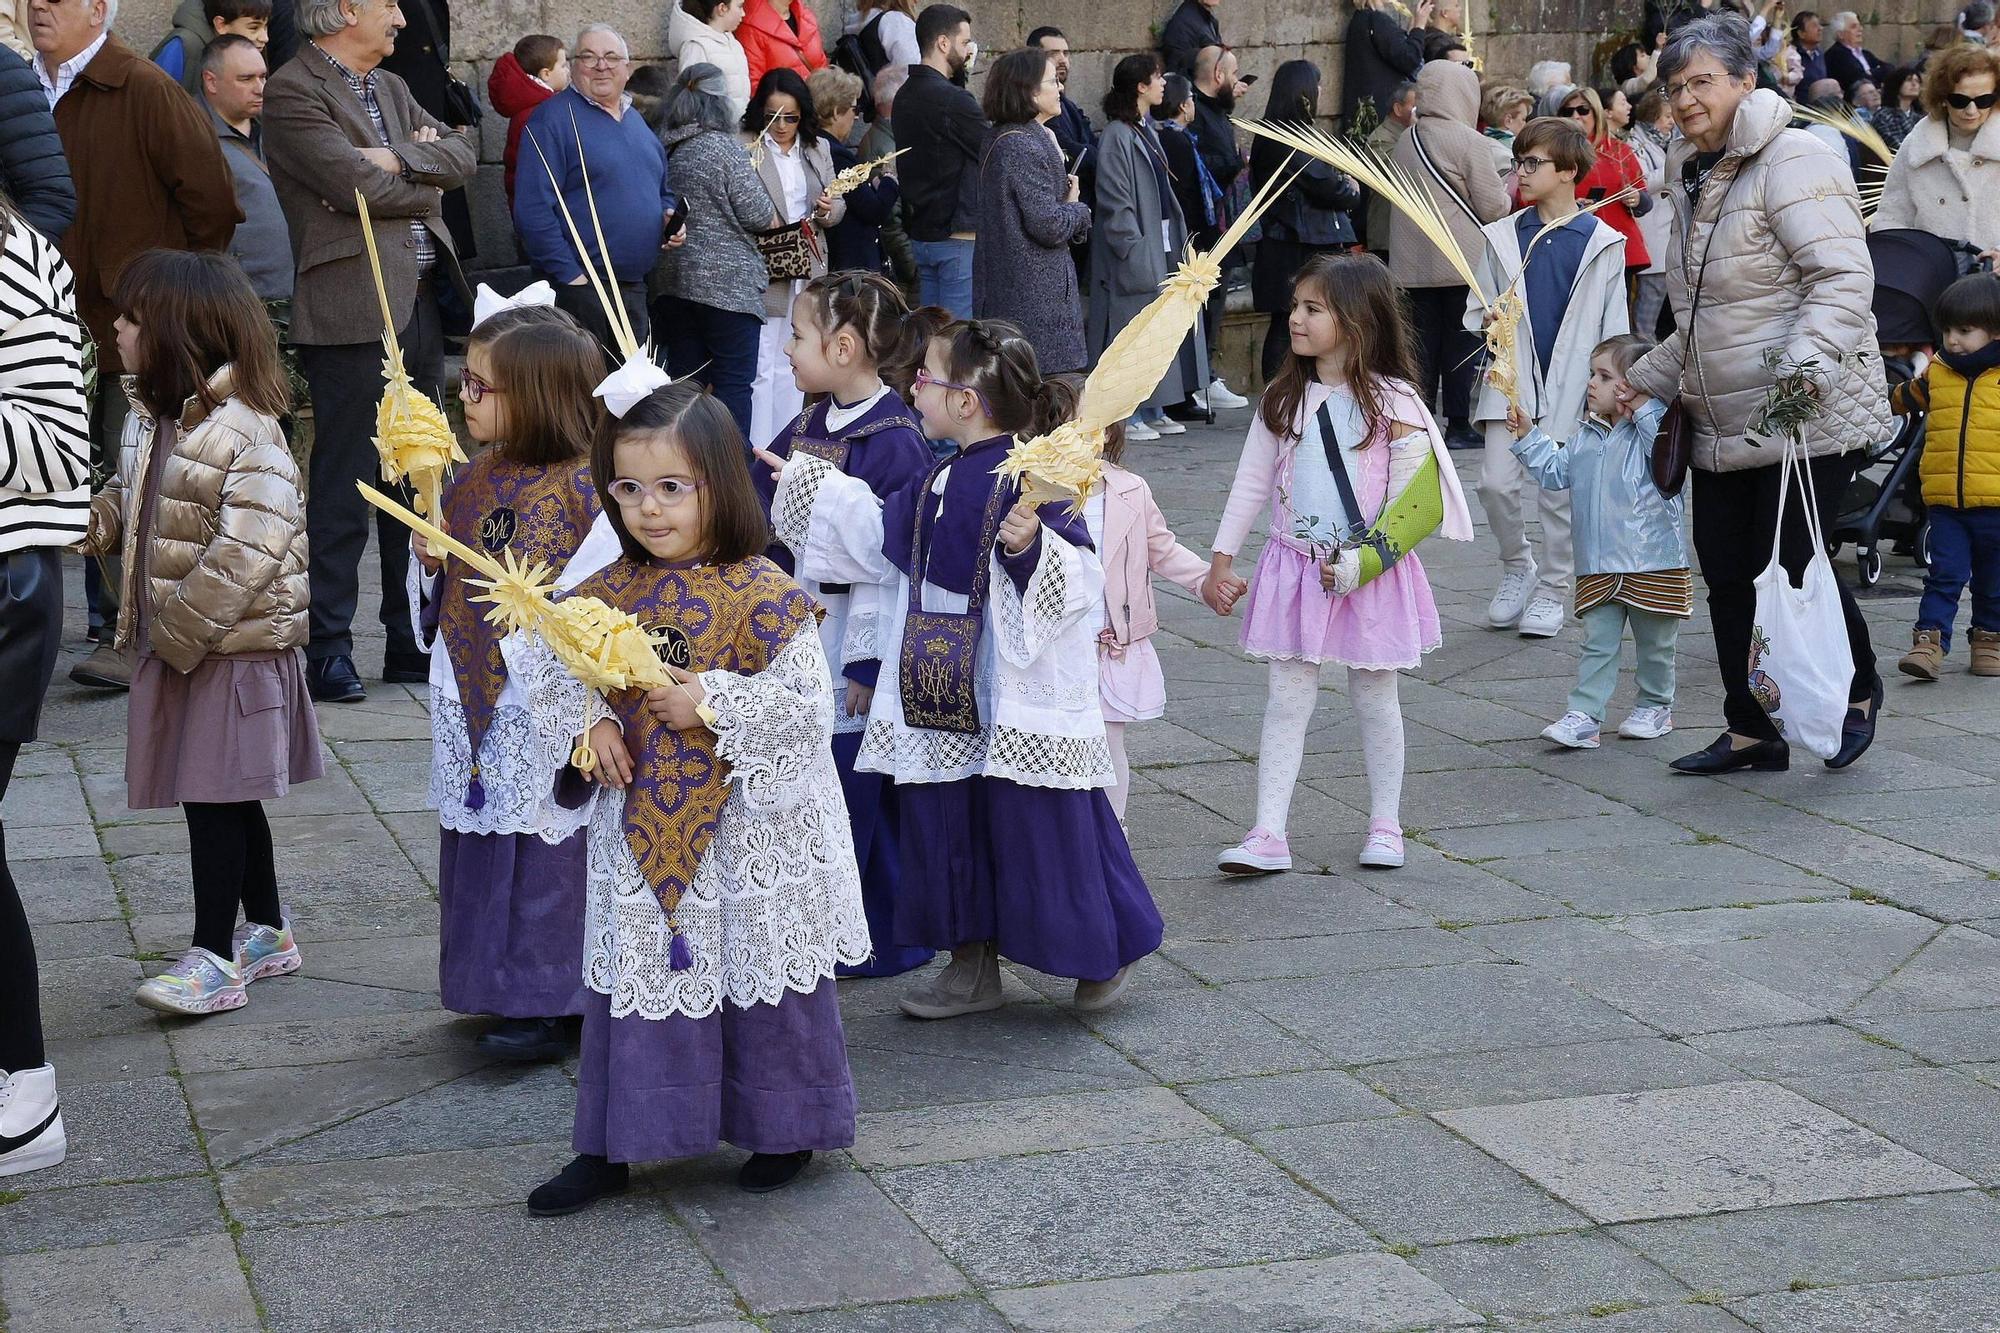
<point>1388,624</point>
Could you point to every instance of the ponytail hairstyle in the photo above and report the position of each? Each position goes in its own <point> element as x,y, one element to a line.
<point>998,360</point>
<point>734,524</point>
<point>1374,341</point>
<point>874,308</point>
<point>546,366</point>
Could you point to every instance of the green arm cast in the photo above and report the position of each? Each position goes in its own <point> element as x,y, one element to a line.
<point>1410,517</point>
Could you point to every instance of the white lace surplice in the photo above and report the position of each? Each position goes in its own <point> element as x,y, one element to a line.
<point>776,901</point>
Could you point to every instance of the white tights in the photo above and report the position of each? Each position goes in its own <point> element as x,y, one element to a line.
<point>1121,772</point>
<point>1294,692</point>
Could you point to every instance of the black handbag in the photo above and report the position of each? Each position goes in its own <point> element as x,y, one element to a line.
<point>461,104</point>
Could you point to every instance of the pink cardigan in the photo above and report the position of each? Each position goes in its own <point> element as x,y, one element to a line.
<point>1137,544</point>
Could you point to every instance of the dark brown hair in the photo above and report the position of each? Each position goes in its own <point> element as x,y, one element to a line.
<point>1973,302</point>
<point>1562,141</point>
<point>1011,85</point>
<point>924,324</point>
<point>196,313</point>
<point>1946,68</point>
<point>545,366</point>
<point>735,526</point>
<point>1131,74</point>
<point>1374,340</point>
<point>999,361</point>
<point>537,52</point>
<point>874,308</point>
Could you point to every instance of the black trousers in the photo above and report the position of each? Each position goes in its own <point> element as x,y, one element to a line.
<point>346,383</point>
<point>20,983</point>
<point>582,304</point>
<point>1447,354</point>
<point>229,851</point>
<point>31,611</point>
<point>1734,515</point>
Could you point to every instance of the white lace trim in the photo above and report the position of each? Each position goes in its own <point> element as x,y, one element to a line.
<point>776,903</point>
<point>792,506</point>
<point>1032,759</point>
<point>524,751</point>
<point>1028,621</point>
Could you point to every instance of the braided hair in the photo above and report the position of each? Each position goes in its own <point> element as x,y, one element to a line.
<point>874,308</point>
<point>998,360</point>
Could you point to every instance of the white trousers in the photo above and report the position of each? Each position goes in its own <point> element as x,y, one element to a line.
<point>1503,491</point>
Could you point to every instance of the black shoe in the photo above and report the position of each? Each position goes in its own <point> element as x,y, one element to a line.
<point>1464,435</point>
<point>767,1171</point>
<point>526,1040</point>
<point>582,1183</point>
<point>406,668</point>
<point>331,680</point>
<point>1857,733</point>
<point>1721,757</point>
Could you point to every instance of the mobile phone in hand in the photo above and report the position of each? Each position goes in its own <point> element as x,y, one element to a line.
<point>675,221</point>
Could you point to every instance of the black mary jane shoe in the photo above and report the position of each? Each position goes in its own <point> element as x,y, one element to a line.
<point>1721,757</point>
<point>582,1183</point>
<point>767,1171</point>
<point>525,1040</point>
<point>1857,732</point>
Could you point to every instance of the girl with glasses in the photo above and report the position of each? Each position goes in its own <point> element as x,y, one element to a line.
<point>510,858</point>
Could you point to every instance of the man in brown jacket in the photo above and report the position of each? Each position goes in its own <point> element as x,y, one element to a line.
<point>334,123</point>
<point>149,174</point>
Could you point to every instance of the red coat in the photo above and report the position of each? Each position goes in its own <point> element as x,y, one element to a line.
<point>514,94</point>
<point>1617,166</point>
<point>769,43</point>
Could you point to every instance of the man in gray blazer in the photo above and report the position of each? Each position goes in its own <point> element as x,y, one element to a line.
<point>334,123</point>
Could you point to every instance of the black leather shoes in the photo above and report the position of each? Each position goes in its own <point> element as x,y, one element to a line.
<point>1721,757</point>
<point>332,680</point>
<point>1464,435</point>
<point>1857,732</point>
<point>526,1040</point>
<point>582,1183</point>
<point>767,1171</point>
<point>406,668</point>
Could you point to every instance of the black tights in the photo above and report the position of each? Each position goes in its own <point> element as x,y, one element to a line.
<point>20,993</point>
<point>229,850</point>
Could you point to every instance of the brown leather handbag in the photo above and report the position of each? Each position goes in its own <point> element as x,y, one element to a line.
<point>1673,449</point>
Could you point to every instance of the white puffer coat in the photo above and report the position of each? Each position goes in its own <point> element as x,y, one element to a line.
<point>1776,244</point>
<point>1949,192</point>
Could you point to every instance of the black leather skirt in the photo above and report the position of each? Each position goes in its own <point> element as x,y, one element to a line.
<point>31,618</point>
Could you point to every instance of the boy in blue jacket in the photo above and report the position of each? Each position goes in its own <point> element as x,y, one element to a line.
<point>1631,560</point>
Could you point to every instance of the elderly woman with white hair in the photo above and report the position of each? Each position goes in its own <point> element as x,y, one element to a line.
<point>1769,255</point>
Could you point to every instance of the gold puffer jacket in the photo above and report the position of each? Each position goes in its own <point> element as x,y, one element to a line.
<point>226,567</point>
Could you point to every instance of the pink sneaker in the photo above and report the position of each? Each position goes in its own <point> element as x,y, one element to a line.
<point>1260,853</point>
<point>1384,848</point>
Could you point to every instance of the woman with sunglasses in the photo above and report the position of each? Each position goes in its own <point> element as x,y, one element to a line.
<point>1615,171</point>
<point>1946,176</point>
<point>1769,255</point>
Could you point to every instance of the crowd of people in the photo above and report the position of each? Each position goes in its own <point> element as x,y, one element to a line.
<point>864,283</point>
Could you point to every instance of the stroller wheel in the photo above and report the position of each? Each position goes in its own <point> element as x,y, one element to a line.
<point>1868,564</point>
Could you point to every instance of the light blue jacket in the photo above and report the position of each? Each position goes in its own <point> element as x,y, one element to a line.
<point>1619,521</point>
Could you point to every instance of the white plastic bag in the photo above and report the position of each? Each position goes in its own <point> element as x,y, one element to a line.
<point>1801,664</point>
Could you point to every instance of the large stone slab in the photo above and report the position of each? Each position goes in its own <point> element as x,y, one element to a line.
<point>1409,1181</point>
<point>349,1190</point>
<point>1958,965</point>
<point>132,1130</point>
<point>1280,1101</point>
<point>1695,1150</point>
<point>1024,1125</point>
<point>1824,954</point>
<point>487,1108</point>
<point>965,1314</point>
<point>1612,881</point>
<point>246,1112</point>
<point>1274,907</point>
<point>1583,1069</point>
<point>66,887</point>
<point>1803,1049</point>
<point>1184,1035</point>
<point>1949,1118</point>
<point>1825,1244</point>
<point>140,1287</point>
<point>1323,955</point>
<point>620,1264</point>
<point>90,1215</point>
<point>204,1047</point>
<point>1944,1305</point>
<point>1543,1275</point>
<point>1111,1212</point>
<point>1350,1292</point>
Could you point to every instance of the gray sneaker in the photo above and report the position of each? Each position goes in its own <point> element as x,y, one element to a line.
<point>1097,994</point>
<point>969,984</point>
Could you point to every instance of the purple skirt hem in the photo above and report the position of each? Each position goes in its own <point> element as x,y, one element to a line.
<point>510,924</point>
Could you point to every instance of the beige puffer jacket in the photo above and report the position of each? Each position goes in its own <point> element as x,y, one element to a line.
<point>1949,192</point>
<point>226,568</point>
<point>1447,125</point>
<point>1778,234</point>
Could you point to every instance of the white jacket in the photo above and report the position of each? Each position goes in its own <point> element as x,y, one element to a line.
<point>1656,226</point>
<point>695,43</point>
<point>1597,310</point>
<point>1948,192</point>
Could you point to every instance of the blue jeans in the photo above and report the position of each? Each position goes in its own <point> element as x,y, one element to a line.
<point>944,275</point>
<point>1965,548</point>
<point>717,347</point>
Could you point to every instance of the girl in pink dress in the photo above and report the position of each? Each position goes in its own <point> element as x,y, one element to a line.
<point>1355,473</point>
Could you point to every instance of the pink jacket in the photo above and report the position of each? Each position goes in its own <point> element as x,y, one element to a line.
<point>1138,544</point>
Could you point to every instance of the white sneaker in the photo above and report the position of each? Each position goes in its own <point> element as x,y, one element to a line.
<point>1220,395</point>
<point>1645,724</point>
<point>1543,619</point>
<point>1168,426</point>
<point>1200,397</point>
<point>1136,429</point>
<point>31,1126</point>
<point>1579,731</point>
<point>1511,601</point>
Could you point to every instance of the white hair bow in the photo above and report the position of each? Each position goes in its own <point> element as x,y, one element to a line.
<point>487,303</point>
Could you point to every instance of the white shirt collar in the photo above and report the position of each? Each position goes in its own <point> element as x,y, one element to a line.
<point>66,73</point>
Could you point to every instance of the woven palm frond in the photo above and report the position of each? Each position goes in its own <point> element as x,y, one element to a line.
<point>856,176</point>
<point>413,439</point>
<point>1844,120</point>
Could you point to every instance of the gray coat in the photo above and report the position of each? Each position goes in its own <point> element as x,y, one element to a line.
<point>1128,260</point>
<point>1021,267</point>
<point>719,265</point>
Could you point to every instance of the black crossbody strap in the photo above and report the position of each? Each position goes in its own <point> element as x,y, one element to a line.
<point>1355,524</point>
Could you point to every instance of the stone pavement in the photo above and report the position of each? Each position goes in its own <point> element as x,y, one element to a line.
<point>1618,1050</point>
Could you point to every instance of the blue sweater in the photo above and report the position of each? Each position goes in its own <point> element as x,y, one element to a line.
<point>628,178</point>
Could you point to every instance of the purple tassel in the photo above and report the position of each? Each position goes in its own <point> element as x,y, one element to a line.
<point>475,794</point>
<point>679,957</point>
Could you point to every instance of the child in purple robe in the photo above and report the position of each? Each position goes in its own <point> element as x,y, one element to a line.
<point>723,890</point>
<point>848,329</point>
<point>988,717</point>
<point>510,857</point>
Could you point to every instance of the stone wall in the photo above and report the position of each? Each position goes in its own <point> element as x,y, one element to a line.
<point>1513,34</point>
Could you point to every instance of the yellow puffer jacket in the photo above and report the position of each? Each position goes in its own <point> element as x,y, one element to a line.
<point>1961,463</point>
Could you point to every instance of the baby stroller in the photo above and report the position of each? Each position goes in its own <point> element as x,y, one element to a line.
<point>1885,501</point>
